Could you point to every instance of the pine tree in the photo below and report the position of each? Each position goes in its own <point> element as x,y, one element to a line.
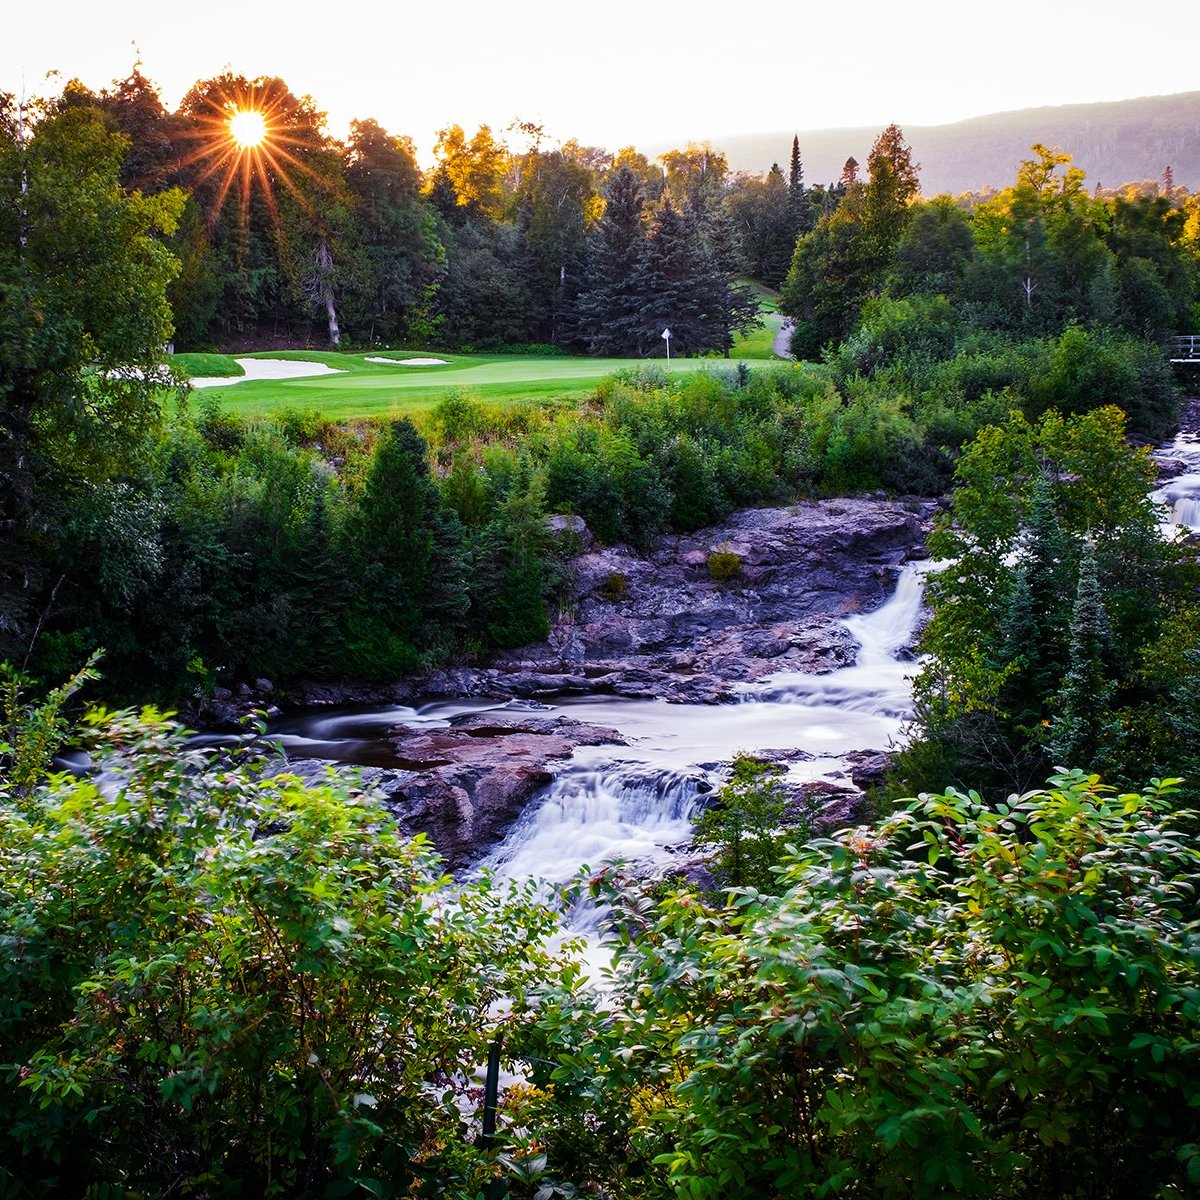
<point>683,288</point>
<point>801,218</point>
<point>1076,730</point>
<point>411,562</point>
<point>1034,624</point>
<point>608,310</point>
<point>668,282</point>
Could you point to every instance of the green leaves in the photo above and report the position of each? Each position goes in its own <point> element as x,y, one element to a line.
<point>253,982</point>
<point>1019,1016</point>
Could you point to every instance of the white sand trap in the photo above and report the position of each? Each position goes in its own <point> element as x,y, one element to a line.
<point>267,368</point>
<point>410,362</point>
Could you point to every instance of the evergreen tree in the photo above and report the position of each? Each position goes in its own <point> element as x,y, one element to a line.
<point>410,573</point>
<point>800,209</point>
<point>666,283</point>
<point>1034,623</point>
<point>135,107</point>
<point>780,228</point>
<point>1076,730</point>
<point>609,308</point>
<point>683,289</point>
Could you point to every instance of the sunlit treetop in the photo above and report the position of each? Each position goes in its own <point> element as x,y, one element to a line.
<point>249,135</point>
<point>247,128</point>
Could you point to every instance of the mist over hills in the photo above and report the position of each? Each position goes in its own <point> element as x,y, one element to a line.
<point>1115,142</point>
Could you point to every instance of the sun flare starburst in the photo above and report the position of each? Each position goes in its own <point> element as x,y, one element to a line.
<point>247,128</point>
<point>250,137</point>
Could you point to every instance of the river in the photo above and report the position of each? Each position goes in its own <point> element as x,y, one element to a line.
<point>636,802</point>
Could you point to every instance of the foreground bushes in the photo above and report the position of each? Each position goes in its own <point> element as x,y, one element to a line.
<point>965,1002</point>
<point>218,982</point>
<point>215,982</point>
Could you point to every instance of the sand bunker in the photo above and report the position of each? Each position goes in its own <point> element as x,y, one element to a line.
<point>410,362</point>
<point>267,368</point>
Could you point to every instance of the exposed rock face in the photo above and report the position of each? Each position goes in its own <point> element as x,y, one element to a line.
<point>660,625</point>
<point>654,625</point>
<point>465,785</point>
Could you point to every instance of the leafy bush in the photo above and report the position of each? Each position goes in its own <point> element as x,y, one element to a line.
<point>724,564</point>
<point>220,982</point>
<point>615,585</point>
<point>968,1001</point>
<point>744,826</point>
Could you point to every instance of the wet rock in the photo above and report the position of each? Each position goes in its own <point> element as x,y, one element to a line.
<point>824,805</point>
<point>570,532</point>
<point>868,768</point>
<point>1169,468</point>
<point>464,786</point>
<point>658,625</point>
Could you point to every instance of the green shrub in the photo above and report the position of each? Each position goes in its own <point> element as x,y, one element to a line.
<point>743,827</point>
<point>220,982</point>
<point>615,586</point>
<point>968,1001</point>
<point>724,564</point>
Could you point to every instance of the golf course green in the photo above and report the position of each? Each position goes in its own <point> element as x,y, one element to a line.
<point>373,389</point>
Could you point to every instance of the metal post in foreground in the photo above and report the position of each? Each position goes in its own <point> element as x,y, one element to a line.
<point>491,1092</point>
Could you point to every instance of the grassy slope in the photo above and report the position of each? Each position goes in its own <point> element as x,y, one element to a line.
<point>376,389</point>
<point>211,366</point>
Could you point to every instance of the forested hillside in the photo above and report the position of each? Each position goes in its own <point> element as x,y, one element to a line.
<point>1115,142</point>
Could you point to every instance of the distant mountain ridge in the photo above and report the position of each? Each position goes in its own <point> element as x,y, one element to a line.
<point>1115,142</point>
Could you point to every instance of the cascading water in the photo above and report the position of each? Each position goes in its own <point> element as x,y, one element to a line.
<point>1182,494</point>
<point>878,681</point>
<point>596,808</point>
<point>636,802</point>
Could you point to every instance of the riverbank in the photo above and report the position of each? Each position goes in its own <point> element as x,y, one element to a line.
<point>652,680</point>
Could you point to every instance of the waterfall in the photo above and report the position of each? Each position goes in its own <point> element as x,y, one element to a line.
<point>1182,494</point>
<point>595,812</point>
<point>635,802</point>
<point>884,633</point>
<point>878,682</point>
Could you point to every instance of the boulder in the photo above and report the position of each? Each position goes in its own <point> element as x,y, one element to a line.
<point>465,785</point>
<point>658,625</point>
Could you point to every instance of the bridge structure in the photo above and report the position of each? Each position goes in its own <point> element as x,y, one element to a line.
<point>1185,349</point>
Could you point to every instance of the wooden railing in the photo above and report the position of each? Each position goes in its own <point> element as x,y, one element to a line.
<point>1186,348</point>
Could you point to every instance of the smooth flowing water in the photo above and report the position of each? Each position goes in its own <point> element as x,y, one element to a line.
<point>635,802</point>
<point>1182,494</point>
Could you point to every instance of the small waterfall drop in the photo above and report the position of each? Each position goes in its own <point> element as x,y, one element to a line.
<point>595,811</point>
<point>1182,493</point>
<point>636,802</point>
<point>878,682</point>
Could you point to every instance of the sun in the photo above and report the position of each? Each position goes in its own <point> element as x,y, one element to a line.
<point>247,128</point>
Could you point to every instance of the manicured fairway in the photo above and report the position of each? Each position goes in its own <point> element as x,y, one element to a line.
<point>376,389</point>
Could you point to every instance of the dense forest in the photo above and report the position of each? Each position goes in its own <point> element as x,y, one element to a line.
<point>305,236</point>
<point>217,981</point>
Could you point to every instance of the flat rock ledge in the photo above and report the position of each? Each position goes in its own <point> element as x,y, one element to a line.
<point>465,785</point>
<point>659,625</point>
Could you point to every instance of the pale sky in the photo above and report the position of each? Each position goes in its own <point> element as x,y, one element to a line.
<point>620,72</point>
